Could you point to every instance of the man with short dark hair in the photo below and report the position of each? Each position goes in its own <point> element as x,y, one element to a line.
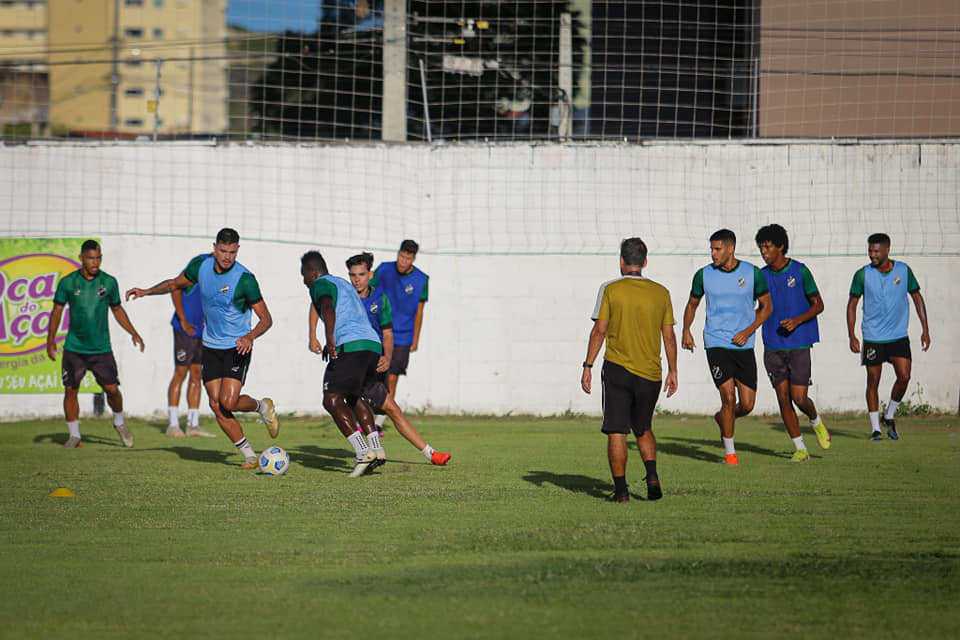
<point>353,349</point>
<point>90,292</point>
<point>789,335</point>
<point>379,313</point>
<point>885,286</point>
<point>229,292</point>
<point>632,315</point>
<point>407,288</point>
<point>733,291</point>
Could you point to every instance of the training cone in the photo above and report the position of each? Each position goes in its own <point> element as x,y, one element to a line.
<point>62,492</point>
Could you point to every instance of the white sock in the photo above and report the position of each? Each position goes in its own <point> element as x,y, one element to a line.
<point>815,421</point>
<point>193,417</point>
<point>260,406</point>
<point>118,419</point>
<point>891,409</point>
<point>798,443</point>
<point>427,452</point>
<point>374,441</point>
<point>244,447</point>
<point>379,420</point>
<point>358,443</point>
<point>875,421</point>
<point>173,415</point>
<point>74,428</point>
<point>728,445</point>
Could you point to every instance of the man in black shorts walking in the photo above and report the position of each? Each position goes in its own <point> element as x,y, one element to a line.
<point>89,292</point>
<point>633,314</point>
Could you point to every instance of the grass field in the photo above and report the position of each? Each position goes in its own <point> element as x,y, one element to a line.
<point>511,540</point>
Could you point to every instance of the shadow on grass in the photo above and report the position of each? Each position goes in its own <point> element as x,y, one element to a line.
<point>314,457</point>
<point>203,455</point>
<point>571,482</point>
<point>707,450</point>
<point>60,438</point>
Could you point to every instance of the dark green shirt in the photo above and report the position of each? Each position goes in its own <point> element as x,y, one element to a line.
<point>88,302</point>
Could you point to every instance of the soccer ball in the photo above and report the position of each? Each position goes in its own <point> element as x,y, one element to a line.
<point>274,461</point>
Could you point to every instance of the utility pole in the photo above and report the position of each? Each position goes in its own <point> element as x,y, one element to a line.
<point>114,70</point>
<point>394,71</point>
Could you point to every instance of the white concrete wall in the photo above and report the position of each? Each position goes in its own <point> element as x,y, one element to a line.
<point>515,253</point>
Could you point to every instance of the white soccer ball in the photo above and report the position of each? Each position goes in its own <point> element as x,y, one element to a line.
<point>274,461</point>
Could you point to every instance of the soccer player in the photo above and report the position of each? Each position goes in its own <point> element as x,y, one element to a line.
<point>733,290</point>
<point>380,315</point>
<point>353,350</point>
<point>406,286</point>
<point>789,334</point>
<point>228,292</point>
<point>89,292</point>
<point>187,325</point>
<point>885,286</point>
<point>632,315</point>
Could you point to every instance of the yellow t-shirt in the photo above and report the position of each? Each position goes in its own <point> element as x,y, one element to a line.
<point>636,309</point>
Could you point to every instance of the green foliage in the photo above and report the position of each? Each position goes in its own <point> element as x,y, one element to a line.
<point>511,540</point>
<point>914,405</point>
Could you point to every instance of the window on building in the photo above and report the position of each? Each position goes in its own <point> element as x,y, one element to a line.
<point>133,93</point>
<point>133,3</point>
<point>133,122</point>
<point>158,4</point>
<point>158,34</point>
<point>130,62</point>
<point>133,32</point>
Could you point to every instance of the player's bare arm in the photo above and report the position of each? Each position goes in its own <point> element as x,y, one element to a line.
<point>328,314</point>
<point>245,343</point>
<point>597,335</point>
<point>816,308</point>
<point>764,309</point>
<point>55,317</point>
<point>670,349</point>
<point>417,323</point>
<point>167,286</point>
<point>384,363</point>
<point>124,321</point>
<point>686,339</point>
<point>852,323</point>
<point>177,295</point>
<point>313,343</point>
<point>922,314</point>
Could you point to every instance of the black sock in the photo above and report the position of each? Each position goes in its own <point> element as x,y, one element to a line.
<point>620,484</point>
<point>651,466</point>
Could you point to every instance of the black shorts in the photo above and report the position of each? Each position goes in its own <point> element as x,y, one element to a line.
<point>351,373</point>
<point>739,364</point>
<point>628,400</point>
<point>225,363</point>
<point>792,365</point>
<point>186,349</point>
<point>874,354</point>
<point>399,360</point>
<point>375,394</point>
<point>74,365</point>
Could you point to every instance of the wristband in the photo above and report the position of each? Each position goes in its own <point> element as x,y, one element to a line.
<point>588,366</point>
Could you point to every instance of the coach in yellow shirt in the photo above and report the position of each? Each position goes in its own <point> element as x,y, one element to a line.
<point>632,314</point>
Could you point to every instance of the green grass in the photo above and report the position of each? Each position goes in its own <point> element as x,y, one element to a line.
<point>511,540</point>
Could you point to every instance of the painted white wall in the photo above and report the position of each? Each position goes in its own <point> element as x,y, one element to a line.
<point>516,240</point>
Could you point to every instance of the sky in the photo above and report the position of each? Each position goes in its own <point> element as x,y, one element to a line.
<point>274,15</point>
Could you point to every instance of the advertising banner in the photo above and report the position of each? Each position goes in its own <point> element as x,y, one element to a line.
<point>29,272</point>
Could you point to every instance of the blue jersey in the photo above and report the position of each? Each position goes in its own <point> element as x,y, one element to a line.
<point>788,294</point>
<point>730,302</point>
<point>379,311</point>
<point>351,330</point>
<point>886,308</point>
<point>227,300</point>
<point>192,309</point>
<point>406,292</point>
